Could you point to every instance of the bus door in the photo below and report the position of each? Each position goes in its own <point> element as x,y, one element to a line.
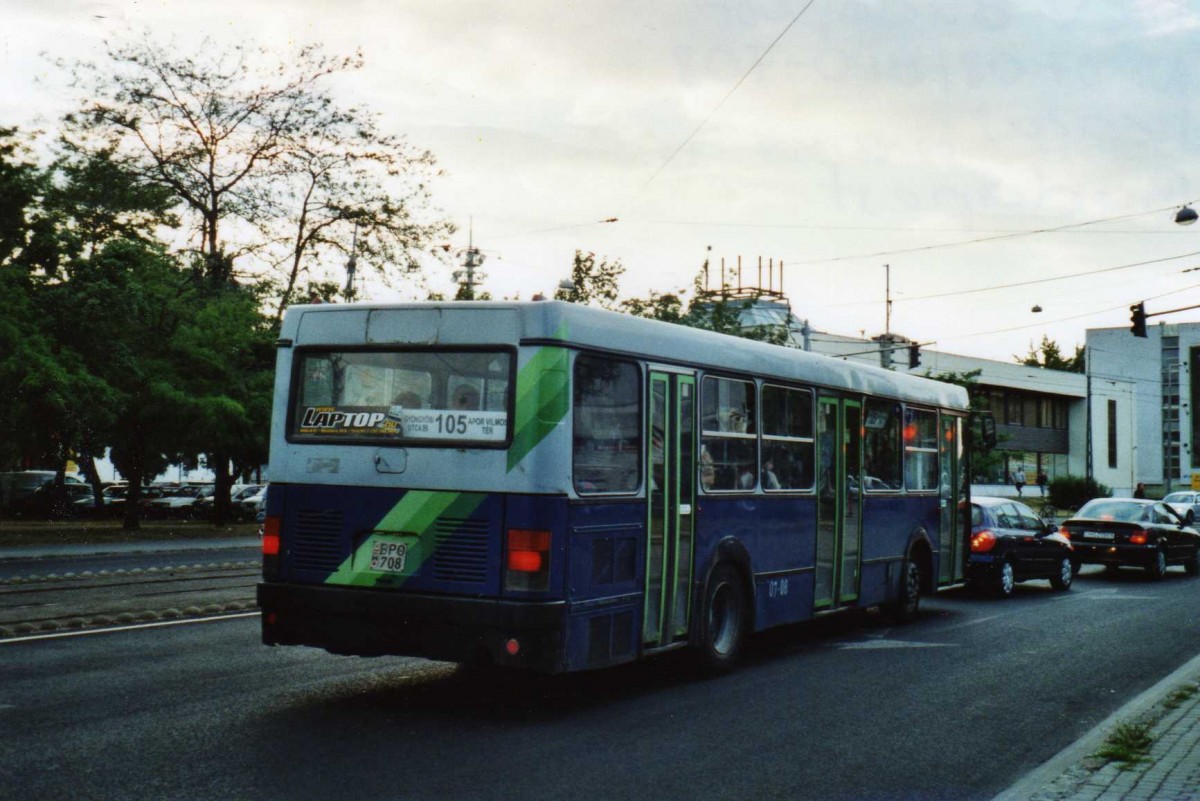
<point>839,501</point>
<point>670,492</point>
<point>953,536</point>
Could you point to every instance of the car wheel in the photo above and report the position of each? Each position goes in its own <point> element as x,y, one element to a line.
<point>1190,517</point>
<point>1007,580</point>
<point>1158,565</point>
<point>1192,565</point>
<point>724,619</point>
<point>906,607</point>
<point>1066,572</point>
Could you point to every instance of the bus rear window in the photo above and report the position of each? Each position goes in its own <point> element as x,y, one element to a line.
<point>437,397</point>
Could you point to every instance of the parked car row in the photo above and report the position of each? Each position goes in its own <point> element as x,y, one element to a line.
<point>1010,543</point>
<point>76,499</point>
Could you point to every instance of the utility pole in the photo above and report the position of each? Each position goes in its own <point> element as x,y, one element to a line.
<point>887,290</point>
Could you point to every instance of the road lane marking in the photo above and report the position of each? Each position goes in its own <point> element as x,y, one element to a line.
<point>873,645</point>
<point>112,629</point>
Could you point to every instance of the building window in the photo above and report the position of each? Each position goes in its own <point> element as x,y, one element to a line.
<point>1194,396</point>
<point>1112,434</point>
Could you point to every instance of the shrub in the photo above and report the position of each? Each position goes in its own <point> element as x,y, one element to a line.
<point>1071,492</point>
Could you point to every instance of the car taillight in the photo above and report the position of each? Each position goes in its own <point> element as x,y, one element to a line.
<point>1063,531</point>
<point>983,541</point>
<point>528,560</point>
<point>1139,537</point>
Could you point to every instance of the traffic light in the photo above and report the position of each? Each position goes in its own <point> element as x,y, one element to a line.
<point>1137,318</point>
<point>914,355</point>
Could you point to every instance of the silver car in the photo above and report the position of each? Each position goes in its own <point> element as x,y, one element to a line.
<point>1186,503</point>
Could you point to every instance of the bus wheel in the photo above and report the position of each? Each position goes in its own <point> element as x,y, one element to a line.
<point>723,619</point>
<point>905,607</point>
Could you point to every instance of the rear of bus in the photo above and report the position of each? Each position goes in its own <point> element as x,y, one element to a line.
<point>417,502</point>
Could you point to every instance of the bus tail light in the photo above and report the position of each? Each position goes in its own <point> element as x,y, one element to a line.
<point>1139,536</point>
<point>983,541</point>
<point>528,560</point>
<point>270,547</point>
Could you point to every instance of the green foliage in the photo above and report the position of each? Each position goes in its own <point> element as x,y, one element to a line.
<point>253,150</point>
<point>1181,694</point>
<point>1128,743</point>
<point>593,283</point>
<point>1050,356</point>
<point>1071,492</point>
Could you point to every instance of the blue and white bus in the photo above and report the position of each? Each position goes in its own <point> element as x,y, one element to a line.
<point>554,487</point>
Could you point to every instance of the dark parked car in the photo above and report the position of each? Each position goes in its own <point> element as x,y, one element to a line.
<point>1117,532</point>
<point>52,502</point>
<point>1010,543</point>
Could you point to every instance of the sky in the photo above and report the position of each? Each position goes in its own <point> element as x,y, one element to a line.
<point>961,144</point>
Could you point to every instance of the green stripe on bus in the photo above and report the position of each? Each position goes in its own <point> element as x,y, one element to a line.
<point>541,401</point>
<point>416,514</point>
<point>541,404</point>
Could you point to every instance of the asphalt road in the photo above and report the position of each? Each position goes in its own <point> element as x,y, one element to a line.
<point>957,705</point>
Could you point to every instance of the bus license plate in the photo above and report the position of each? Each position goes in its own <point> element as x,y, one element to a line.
<point>1098,535</point>
<point>388,556</point>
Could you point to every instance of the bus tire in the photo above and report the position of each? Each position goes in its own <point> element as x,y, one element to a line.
<point>908,603</point>
<point>723,619</point>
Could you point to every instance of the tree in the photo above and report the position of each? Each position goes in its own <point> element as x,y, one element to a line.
<point>592,283</point>
<point>349,191</point>
<point>1050,356</point>
<point>253,147</point>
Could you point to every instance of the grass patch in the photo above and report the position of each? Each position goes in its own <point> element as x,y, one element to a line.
<point>1128,743</point>
<point>1178,696</point>
<point>97,532</point>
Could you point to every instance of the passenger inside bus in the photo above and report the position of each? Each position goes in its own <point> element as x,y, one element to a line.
<point>769,479</point>
<point>465,398</point>
<point>746,477</point>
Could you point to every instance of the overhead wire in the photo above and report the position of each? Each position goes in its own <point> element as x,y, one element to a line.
<point>978,240</point>
<point>725,99</point>
<point>1044,323</point>
<point>1026,283</point>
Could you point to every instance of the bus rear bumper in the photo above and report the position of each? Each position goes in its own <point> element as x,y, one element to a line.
<point>364,622</point>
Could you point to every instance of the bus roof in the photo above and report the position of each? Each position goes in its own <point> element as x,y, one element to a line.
<point>465,323</point>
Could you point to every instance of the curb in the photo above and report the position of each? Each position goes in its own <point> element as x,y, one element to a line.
<point>1041,777</point>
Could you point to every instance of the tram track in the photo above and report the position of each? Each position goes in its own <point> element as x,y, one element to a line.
<point>47,603</point>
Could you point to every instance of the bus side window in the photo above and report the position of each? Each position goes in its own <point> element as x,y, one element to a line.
<point>606,455</point>
<point>881,445</point>
<point>728,441</point>
<point>787,426</point>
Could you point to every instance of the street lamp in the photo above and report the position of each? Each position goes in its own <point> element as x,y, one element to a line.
<point>1186,216</point>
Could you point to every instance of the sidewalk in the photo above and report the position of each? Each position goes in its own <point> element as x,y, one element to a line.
<point>1171,771</point>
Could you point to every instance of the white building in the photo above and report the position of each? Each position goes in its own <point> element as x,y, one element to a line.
<point>1143,429</point>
